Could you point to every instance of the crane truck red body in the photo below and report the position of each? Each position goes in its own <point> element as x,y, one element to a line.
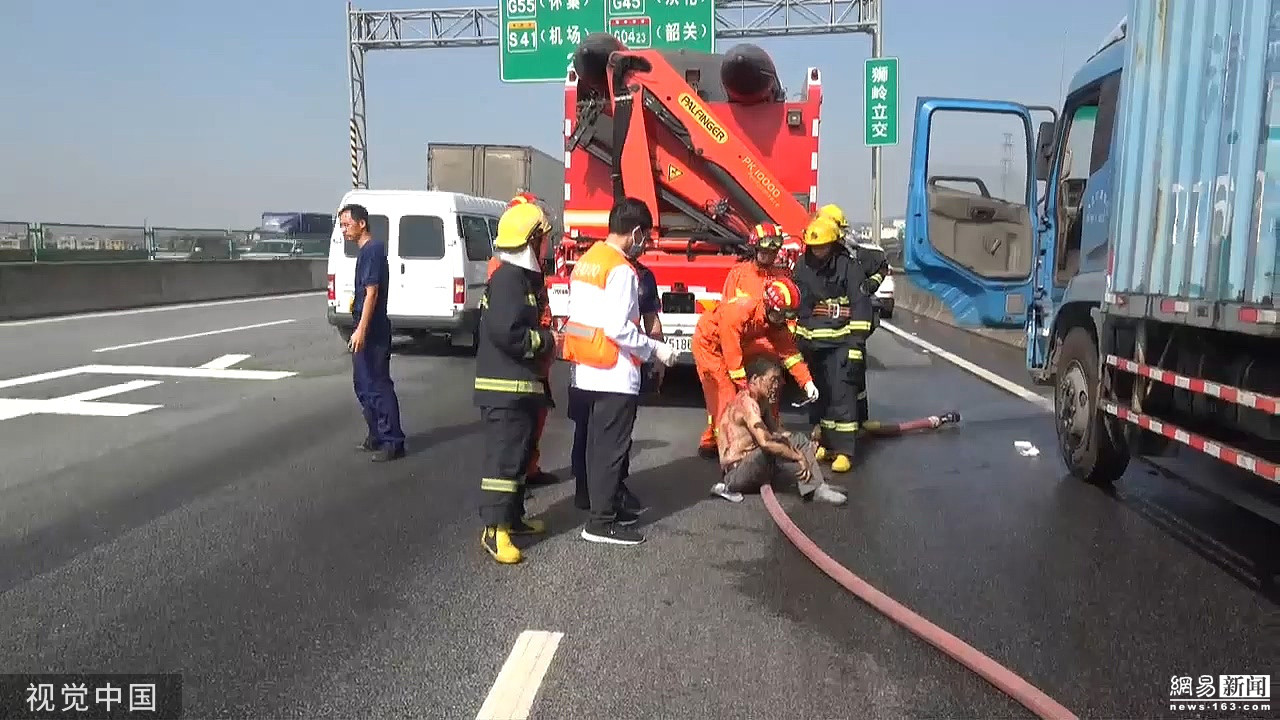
<point>708,141</point>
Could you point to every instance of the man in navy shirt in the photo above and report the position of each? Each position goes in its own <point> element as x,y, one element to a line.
<point>629,505</point>
<point>370,342</point>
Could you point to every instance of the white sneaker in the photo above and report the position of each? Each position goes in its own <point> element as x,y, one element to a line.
<point>723,491</point>
<point>827,495</point>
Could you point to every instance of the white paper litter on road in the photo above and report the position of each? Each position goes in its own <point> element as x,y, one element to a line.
<point>1026,449</point>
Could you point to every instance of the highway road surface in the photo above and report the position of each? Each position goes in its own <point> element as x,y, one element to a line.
<point>180,492</point>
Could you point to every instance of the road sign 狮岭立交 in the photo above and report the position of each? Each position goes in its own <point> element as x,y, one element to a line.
<point>881,127</point>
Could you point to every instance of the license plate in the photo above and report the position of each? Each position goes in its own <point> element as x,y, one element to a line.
<point>681,343</point>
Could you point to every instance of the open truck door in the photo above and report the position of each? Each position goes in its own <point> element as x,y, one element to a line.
<point>972,220</point>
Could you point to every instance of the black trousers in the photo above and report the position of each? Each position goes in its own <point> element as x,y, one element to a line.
<point>580,414</point>
<point>858,374</point>
<point>509,436</point>
<point>836,410</point>
<point>608,446</point>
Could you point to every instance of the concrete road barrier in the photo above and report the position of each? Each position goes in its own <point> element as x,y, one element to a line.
<point>918,302</point>
<point>30,290</point>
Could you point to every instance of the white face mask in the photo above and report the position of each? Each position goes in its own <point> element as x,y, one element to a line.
<point>639,243</point>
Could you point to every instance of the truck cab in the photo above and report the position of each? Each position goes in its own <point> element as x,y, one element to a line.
<point>1032,254</point>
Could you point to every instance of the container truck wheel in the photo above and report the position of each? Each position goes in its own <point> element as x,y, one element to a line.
<point>1089,451</point>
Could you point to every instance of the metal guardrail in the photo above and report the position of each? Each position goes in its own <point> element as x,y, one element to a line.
<point>78,242</point>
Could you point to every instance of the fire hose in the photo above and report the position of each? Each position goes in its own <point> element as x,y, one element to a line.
<point>993,672</point>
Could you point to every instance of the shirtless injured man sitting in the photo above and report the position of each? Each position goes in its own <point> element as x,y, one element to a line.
<point>754,451</point>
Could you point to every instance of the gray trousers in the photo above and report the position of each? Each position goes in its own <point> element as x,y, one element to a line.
<point>760,467</point>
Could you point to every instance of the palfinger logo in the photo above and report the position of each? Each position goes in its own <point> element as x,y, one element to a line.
<point>695,109</point>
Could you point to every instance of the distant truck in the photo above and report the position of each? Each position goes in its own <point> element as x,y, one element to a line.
<point>499,172</point>
<point>1145,272</point>
<point>296,224</point>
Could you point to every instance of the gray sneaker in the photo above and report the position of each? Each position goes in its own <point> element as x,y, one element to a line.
<point>722,489</point>
<point>827,495</point>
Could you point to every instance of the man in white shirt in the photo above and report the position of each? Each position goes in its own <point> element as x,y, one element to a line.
<point>606,347</point>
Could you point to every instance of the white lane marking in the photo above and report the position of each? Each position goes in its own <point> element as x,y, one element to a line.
<point>184,372</point>
<point>160,308</point>
<point>79,403</point>
<point>224,362</point>
<point>512,694</point>
<point>110,390</point>
<point>176,338</point>
<point>41,377</point>
<point>229,374</point>
<point>1003,383</point>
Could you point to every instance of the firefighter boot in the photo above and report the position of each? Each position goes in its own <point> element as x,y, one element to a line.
<point>497,541</point>
<point>842,463</point>
<point>528,526</point>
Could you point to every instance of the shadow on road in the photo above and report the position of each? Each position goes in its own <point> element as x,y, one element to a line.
<point>667,490</point>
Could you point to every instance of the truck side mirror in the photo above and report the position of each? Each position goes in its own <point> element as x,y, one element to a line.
<point>1044,150</point>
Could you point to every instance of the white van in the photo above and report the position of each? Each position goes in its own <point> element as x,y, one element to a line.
<point>438,246</point>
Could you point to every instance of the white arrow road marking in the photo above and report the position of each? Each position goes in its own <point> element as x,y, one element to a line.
<point>53,375</point>
<point>80,403</point>
<point>224,362</point>
<point>512,694</point>
<point>192,335</point>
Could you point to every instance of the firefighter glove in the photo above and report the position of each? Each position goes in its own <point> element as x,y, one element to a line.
<point>811,391</point>
<point>664,353</point>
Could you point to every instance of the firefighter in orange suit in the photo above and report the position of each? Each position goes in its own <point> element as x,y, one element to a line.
<point>722,334</point>
<point>747,278</point>
<point>534,474</point>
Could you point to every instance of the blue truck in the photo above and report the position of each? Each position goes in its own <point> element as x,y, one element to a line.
<point>1141,261</point>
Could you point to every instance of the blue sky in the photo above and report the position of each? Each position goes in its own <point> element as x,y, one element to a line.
<point>207,114</point>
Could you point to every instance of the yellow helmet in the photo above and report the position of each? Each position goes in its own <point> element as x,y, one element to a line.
<point>821,231</point>
<point>520,224</point>
<point>835,215</point>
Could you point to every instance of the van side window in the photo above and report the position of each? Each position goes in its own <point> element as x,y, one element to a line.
<point>475,235</point>
<point>421,237</point>
<point>379,228</point>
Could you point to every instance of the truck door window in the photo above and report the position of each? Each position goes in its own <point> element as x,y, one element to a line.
<point>1073,175</point>
<point>379,228</point>
<point>977,192</point>
<point>421,237</point>
<point>475,236</point>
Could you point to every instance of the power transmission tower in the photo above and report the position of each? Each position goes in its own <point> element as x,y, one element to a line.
<point>478,27</point>
<point>1006,165</point>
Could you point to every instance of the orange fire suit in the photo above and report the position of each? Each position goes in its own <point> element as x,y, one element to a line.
<point>545,371</point>
<point>747,279</point>
<point>718,343</point>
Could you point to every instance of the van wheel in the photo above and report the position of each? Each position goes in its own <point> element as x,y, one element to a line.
<point>1089,451</point>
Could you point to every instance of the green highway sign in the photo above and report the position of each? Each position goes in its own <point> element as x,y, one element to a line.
<point>881,127</point>
<point>540,36</point>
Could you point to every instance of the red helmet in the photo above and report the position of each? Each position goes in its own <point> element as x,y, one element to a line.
<point>767,236</point>
<point>782,294</point>
<point>521,199</point>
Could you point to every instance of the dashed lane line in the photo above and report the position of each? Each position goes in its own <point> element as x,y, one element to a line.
<point>1003,383</point>
<point>513,693</point>
<point>189,336</point>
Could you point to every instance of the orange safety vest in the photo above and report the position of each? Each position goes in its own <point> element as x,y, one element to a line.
<point>584,344</point>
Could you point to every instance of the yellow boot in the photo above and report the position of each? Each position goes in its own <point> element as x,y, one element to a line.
<point>841,464</point>
<point>497,541</point>
<point>821,453</point>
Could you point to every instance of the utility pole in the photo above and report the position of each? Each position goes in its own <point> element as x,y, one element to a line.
<point>877,189</point>
<point>1006,165</point>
